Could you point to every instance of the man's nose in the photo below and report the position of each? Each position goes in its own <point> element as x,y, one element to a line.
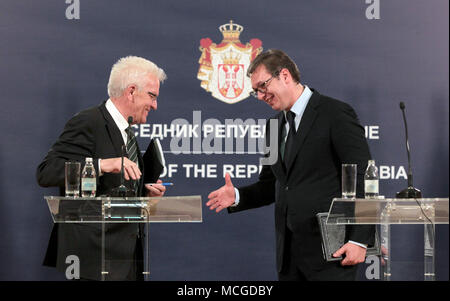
<point>262,95</point>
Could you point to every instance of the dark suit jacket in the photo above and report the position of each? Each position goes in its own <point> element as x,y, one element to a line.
<point>90,133</point>
<point>329,134</point>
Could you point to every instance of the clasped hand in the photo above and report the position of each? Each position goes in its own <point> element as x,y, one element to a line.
<point>354,254</point>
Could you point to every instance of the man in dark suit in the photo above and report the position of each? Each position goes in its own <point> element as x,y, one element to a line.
<point>316,135</point>
<point>100,132</point>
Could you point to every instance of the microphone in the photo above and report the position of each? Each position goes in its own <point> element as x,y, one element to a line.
<point>122,190</point>
<point>409,192</point>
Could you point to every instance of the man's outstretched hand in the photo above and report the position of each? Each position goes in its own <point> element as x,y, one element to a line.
<point>223,197</point>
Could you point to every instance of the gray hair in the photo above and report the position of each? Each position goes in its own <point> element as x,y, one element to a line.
<point>131,70</point>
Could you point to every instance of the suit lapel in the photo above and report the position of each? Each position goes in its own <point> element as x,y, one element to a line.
<point>303,129</point>
<point>278,168</point>
<point>117,141</point>
<point>113,130</point>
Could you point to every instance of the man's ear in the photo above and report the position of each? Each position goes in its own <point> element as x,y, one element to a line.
<point>130,92</point>
<point>285,75</point>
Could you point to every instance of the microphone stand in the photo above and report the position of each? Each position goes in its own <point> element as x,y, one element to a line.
<point>429,229</point>
<point>410,192</point>
<point>122,191</point>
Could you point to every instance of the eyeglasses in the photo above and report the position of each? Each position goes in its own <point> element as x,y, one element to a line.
<point>262,88</point>
<point>153,96</point>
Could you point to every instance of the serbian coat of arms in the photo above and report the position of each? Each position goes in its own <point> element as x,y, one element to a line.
<point>223,66</point>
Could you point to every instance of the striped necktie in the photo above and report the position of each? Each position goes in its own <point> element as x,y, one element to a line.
<point>131,145</point>
<point>132,151</point>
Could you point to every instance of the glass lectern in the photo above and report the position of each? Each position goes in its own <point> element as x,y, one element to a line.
<point>387,212</point>
<point>130,210</point>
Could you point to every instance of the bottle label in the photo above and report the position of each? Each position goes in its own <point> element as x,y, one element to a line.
<point>88,184</point>
<point>371,186</point>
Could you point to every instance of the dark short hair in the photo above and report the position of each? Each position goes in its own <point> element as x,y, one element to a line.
<point>274,60</point>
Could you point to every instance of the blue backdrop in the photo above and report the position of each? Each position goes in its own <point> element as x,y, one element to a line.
<point>55,61</point>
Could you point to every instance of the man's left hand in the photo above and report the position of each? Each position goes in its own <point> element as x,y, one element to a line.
<point>155,190</point>
<point>354,254</point>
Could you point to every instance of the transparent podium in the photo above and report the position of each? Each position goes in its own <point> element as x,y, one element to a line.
<point>387,212</point>
<point>109,213</point>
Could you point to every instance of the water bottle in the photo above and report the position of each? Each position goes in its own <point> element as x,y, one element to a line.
<point>88,179</point>
<point>371,181</point>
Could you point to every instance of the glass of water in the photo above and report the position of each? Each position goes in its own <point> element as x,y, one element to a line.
<point>348,181</point>
<point>72,176</point>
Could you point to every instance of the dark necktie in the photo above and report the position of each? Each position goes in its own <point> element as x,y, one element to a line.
<point>290,116</point>
<point>131,145</point>
<point>132,151</point>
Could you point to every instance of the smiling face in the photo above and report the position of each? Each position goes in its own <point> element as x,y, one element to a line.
<point>271,90</point>
<point>144,99</point>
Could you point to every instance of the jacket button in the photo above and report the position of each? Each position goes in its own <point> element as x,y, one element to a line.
<point>286,188</point>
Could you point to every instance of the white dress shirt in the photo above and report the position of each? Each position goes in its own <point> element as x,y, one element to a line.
<point>120,121</point>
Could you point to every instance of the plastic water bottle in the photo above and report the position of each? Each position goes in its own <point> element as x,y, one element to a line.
<point>371,181</point>
<point>88,179</point>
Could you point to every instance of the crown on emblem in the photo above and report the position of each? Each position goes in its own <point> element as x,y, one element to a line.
<point>231,58</point>
<point>231,31</point>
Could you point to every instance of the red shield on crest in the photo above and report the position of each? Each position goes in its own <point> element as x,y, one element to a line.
<point>230,80</point>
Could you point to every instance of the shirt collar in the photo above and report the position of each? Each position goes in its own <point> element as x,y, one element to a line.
<point>300,104</point>
<point>120,121</point>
